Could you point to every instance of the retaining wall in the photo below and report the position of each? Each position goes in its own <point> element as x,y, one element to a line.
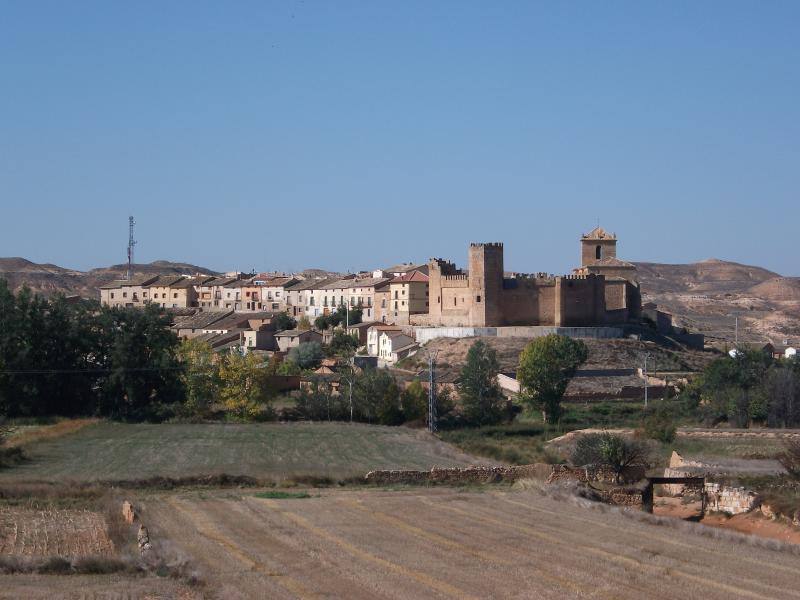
<point>476,474</point>
<point>594,474</point>
<point>426,334</point>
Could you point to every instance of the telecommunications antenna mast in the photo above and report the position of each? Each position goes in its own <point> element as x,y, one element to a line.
<point>131,244</point>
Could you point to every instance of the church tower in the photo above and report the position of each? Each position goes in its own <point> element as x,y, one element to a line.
<point>597,245</point>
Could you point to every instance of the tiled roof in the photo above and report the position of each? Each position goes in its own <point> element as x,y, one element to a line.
<point>598,233</point>
<point>413,276</point>
<point>611,262</point>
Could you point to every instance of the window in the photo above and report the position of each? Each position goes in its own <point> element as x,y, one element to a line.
<point>144,294</point>
<point>395,307</point>
<point>455,302</point>
<point>124,294</point>
<point>477,299</point>
<point>112,294</point>
<point>312,300</point>
<point>598,252</point>
<point>174,294</point>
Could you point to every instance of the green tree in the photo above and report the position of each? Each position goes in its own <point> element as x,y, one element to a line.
<point>659,423</point>
<point>481,400</point>
<point>414,402</point>
<point>321,323</point>
<point>376,398</point>
<point>243,386</point>
<point>283,322</point>
<point>139,351</point>
<point>306,355</point>
<point>342,343</point>
<point>200,376</point>
<point>304,324</point>
<point>546,366</point>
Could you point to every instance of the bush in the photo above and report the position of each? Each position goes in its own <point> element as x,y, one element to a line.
<point>616,451</point>
<point>55,565</point>
<point>658,423</point>
<point>307,355</point>
<point>587,450</point>
<point>414,402</point>
<point>790,458</point>
<point>283,322</point>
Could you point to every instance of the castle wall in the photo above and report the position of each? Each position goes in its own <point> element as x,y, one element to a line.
<point>483,298</point>
<point>580,300</point>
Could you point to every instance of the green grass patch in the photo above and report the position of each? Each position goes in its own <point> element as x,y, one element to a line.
<point>265,452</point>
<point>728,447</point>
<point>281,495</point>
<point>608,414</point>
<point>518,443</point>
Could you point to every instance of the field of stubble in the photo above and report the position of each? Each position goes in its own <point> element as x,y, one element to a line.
<point>446,543</point>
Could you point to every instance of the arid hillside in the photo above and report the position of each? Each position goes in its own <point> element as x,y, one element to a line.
<point>49,279</point>
<point>708,296</point>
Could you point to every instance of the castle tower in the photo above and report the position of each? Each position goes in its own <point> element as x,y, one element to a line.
<point>486,284</point>
<point>597,245</point>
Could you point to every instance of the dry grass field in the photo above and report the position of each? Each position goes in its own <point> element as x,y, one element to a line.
<point>53,532</point>
<point>446,543</point>
<point>270,451</point>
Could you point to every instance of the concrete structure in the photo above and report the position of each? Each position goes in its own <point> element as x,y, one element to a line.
<point>484,297</point>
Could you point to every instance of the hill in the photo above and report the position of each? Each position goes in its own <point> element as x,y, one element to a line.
<point>708,296</point>
<point>48,279</point>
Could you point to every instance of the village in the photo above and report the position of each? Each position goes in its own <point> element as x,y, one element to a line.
<point>400,307</point>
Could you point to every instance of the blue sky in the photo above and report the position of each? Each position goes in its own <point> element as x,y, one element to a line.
<point>346,135</point>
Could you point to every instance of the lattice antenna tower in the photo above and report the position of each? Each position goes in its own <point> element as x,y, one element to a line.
<point>131,244</point>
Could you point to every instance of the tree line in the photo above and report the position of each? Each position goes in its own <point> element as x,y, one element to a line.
<point>59,357</point>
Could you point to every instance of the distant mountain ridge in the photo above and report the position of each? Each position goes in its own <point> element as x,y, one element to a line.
<point>710,295</point>
<point>48,279</point>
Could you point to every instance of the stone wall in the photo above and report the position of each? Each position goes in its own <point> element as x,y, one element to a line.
<point>455,475</point>
<point>729,499</point>
<point>594,474</point>
<point>623,496</point>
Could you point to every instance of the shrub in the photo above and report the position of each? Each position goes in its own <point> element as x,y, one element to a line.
<point>658,424</point>
<point>55,565</point>
<point>307,355</point>
<point>587,450</point>
<point>99,565</point>
<point>790,458</point>
<point>616,451</point>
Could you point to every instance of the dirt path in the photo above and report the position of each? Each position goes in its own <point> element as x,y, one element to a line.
<point>444,543</point>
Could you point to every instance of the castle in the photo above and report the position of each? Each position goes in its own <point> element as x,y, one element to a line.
<point>602,291</point>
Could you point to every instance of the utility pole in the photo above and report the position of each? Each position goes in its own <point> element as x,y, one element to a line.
<point>646,356</point>
<point>432,354</point>
<point>131,244</point>
<point>736,335</point>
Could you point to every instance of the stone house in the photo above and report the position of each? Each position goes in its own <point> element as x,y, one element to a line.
<point>373,337</point>
<point>127,293</point>
<point>291,338</point>
<point>273,291</point>
<point>394,346</point>
<point>408,295</point>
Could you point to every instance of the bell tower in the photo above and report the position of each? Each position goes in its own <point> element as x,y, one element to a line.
<point>597,245</point>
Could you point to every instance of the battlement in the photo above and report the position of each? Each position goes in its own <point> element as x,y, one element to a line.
<point>486,245</point>
<point>579,277</point>
<point>456,276</point>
